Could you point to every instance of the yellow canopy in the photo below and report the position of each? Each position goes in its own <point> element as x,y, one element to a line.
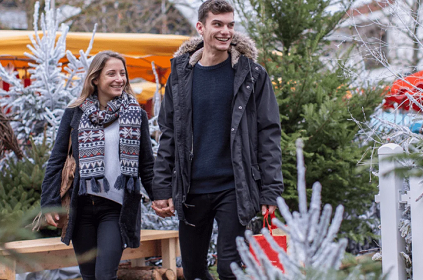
<point>139,49</point>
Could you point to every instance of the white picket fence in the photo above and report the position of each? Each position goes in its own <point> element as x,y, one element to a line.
<point>390,198</point>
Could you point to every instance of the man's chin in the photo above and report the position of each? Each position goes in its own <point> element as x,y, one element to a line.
<point>223,48</point>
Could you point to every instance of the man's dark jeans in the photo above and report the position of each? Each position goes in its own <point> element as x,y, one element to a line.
<point>194,240</point>
<point>97,229</point>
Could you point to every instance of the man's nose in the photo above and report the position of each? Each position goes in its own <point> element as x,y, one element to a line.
<point>225,29</point>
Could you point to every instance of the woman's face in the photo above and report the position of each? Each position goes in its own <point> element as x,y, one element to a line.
<point>112,80</point>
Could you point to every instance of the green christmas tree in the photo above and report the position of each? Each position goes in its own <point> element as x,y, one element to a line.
<point>316,103</point>
<point>20,182</point>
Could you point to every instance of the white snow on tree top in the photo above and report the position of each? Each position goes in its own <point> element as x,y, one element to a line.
<point>311,245</point>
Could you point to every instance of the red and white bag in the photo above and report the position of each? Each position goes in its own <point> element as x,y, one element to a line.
<point>278,236</point>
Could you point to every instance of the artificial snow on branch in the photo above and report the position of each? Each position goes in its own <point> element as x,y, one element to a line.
<point>311,235</point>
<point>398,54</point>
<point>51,90</point>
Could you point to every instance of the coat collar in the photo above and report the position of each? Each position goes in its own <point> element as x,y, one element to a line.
<point>241,45</point>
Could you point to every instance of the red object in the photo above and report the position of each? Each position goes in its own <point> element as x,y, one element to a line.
<point>149,107</point>
<point>410,84</point>
<point>271,254</point>
<point>6,86</point>
<point>27,82</point>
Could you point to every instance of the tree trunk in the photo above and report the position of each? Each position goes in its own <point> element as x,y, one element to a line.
<point>8,139</point>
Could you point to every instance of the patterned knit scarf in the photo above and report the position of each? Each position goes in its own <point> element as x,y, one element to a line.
<point>91,142</point>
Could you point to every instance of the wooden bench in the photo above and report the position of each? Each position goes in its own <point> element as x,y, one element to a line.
<point>51,253</point>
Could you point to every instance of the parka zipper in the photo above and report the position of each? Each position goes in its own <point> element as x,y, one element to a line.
<point>191,156</point>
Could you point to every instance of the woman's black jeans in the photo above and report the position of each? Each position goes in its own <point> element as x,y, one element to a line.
<point>97,230</point>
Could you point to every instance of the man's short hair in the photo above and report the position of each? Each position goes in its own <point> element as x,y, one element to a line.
<point>214,6</point>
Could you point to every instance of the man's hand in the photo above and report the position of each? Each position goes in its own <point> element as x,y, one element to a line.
<point>271,208</point>
<point>164,208</point>
<point>52,218</point>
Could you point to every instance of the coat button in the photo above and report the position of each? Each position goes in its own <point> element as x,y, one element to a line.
<point>232,129</point>
<point>124,245</point>
<point>174,171</point>
<point>256,68</point>
<point>248,86</point>
<point>240,107</point>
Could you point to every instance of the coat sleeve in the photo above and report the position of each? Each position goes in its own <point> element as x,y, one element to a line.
<point>146,159</point>
<point>165,160</point>
<point>269,141</point>
<point>50,189</point>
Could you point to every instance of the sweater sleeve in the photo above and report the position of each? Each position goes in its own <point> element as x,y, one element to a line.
<point>146,160</point>
<point>50,189</point>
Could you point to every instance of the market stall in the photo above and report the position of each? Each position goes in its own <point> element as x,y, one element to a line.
<point>138,49</point>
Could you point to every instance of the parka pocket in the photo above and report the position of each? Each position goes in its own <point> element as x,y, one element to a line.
<point>255,172</point>
<point>255,188</point>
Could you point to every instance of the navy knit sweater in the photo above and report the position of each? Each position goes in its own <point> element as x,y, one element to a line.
<point>212,94</point>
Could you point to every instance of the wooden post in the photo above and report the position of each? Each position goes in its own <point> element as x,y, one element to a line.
<point>390,212</point>
<point>169,253</point>
<point>8,272</point>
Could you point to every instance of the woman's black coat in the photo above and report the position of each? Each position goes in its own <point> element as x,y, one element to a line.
<point>130,217</point>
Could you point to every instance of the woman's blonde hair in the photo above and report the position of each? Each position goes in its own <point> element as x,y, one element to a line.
<point>94,71</point>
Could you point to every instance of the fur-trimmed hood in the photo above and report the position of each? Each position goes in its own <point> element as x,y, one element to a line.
<point>240,45</point>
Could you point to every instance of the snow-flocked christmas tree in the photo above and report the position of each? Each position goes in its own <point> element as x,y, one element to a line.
<point>311,238</point>
<point>44,101</point>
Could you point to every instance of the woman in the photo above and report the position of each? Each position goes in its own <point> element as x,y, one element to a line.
<point>112,149</point>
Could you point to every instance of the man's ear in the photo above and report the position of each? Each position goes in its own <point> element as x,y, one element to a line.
<point>200,27</point>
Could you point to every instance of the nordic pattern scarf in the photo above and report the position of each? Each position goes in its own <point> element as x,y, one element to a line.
<point>91,142</point>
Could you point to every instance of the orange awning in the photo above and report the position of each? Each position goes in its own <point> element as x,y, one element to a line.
<point>144,91</point>
<point>139,49</point>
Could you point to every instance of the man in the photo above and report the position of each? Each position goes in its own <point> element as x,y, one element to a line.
<point>219,155</point>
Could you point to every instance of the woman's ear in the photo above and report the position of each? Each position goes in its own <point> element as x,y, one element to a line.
<point>94,82</point>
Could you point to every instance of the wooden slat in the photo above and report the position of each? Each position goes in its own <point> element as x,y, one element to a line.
<point>53,244</point>
<point>66,258</point>
<point>151,234</point>
<point>47,260</point>
<point>51,253</point>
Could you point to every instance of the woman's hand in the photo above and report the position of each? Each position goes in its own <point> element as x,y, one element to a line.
<point>52,218</point>
<point>164,208</point>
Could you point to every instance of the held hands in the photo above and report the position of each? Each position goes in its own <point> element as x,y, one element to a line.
<point>271,208</point>
<point>52,218</point>
<point>164,208</point>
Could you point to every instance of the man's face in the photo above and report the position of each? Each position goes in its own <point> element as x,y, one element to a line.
<point>217,31</point>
